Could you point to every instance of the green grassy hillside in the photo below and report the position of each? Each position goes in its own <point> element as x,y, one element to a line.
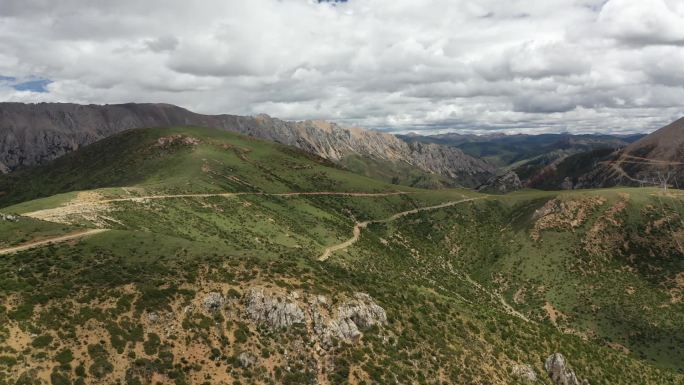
<point>177,160</point>
<point>199,222</point>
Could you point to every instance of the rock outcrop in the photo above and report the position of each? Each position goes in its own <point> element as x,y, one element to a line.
<point>33,134</point>
<point>326,323</point>
<point>9,217</point>
<point>246,359</point>
<point>346,322</point>
<point>559,373</point>
<point>524,373</point>
<point>501,183</point>
<point>273,311</point>
<point>213,302</point>
<point>363,311</point>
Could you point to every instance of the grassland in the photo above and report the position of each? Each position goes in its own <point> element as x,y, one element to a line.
<point>396,173</point>
<point>466,288</point>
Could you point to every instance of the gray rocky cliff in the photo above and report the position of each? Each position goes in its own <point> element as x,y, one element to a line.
<point>34,134</point>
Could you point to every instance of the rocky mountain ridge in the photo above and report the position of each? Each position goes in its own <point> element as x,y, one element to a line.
<point>34,134</point>
<point>655,160</point>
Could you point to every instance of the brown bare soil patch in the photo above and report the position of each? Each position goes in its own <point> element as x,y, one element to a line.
<point>601,239</point>
<point>553,313</point>
<point>559,214</point>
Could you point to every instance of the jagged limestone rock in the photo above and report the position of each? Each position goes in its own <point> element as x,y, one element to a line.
<point>363,311</point>
<point>524,372</point>
<point>213,301</point>
<point>273,311</point>
<point>348,320</point>
<point>559,373</point>
<point>326,323</point>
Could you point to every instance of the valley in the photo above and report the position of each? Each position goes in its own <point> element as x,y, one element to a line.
<point>227,259</point>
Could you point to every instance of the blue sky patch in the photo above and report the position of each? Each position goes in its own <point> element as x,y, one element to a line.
<point>25,84</point>
<point>38,85</point>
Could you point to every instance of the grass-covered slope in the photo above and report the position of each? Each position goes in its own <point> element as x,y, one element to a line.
<point>201,222</point>
<point>606,266</point>
<point>178,160</point>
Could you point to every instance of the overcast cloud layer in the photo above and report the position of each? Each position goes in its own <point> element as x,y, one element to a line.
<point>401,65</point>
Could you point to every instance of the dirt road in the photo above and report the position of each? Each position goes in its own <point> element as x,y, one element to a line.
<point>62,238</point>
<point>57,214</point>
<point>289,194</point>
<point>356,231</point>
<point>87,207</point>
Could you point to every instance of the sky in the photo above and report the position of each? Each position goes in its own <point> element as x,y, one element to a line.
<point>427,66</point>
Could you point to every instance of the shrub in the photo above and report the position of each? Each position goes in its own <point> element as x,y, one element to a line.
<point>23,312</point>
<point>8,361</point>
<point>101,366</point>
<point>65,356</point>
<point>152,344</point>
<point>241,334</point>
<point>57,378</point>
<point>41,341</point>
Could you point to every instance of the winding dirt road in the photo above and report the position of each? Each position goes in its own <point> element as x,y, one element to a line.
<point>62,238</point>
<point>84,207</point>
<point>356,231</point>
<point>639,159</point>
<point>616,165</point>
<point>47,214</point>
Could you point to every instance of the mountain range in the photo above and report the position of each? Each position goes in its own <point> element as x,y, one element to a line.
<point>503,150</point>
<point>656,159</point>
<point>33,134</point>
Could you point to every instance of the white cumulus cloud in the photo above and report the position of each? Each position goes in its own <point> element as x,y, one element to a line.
<point>395,65</point>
